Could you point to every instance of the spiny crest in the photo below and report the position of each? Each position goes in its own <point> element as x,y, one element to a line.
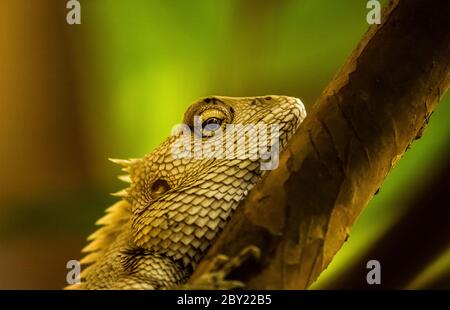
<point>124,178</point>
<point>126,165</point>
<point>111,224</point>
<point>121,194</point>
<point>121,162</point>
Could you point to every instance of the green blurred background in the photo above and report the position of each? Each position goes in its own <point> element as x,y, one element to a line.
<point>72,96</point>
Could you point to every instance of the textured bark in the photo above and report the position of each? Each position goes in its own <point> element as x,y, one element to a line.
<point>430,211</point>
<point>300,214</point>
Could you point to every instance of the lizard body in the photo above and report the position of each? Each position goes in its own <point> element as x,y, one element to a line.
<point>175,207</point>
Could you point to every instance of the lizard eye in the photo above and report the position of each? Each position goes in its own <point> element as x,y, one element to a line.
<point>212,121</point>
<point>209,117</point>
<point>212,124</point>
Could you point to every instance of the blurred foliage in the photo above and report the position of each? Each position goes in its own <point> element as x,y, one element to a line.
<point>156,57</point>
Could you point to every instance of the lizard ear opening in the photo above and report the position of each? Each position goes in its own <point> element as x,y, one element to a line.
<point>159,187</point>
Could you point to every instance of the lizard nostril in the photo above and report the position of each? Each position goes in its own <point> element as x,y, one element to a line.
<point>268,98</point>
<point>159,187</point>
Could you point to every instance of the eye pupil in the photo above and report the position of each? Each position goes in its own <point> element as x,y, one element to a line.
<point>212,124</point>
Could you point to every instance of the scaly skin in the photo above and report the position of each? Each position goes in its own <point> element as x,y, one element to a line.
<point>174,208</point>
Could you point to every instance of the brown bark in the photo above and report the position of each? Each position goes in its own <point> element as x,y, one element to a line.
<point>402,251</point>
<point>41,144</point>
<point>300,214</point>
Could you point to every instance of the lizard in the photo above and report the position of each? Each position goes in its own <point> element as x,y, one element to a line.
<point>174,208</point>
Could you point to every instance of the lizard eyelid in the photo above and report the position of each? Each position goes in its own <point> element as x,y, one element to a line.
<point>211,121</point>
<point>206,109</point>
<point>205,120</point>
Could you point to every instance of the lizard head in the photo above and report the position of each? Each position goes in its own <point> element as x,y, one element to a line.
<point>184,192</point>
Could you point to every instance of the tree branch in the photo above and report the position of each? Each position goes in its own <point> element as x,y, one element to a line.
<point>300,214</point>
